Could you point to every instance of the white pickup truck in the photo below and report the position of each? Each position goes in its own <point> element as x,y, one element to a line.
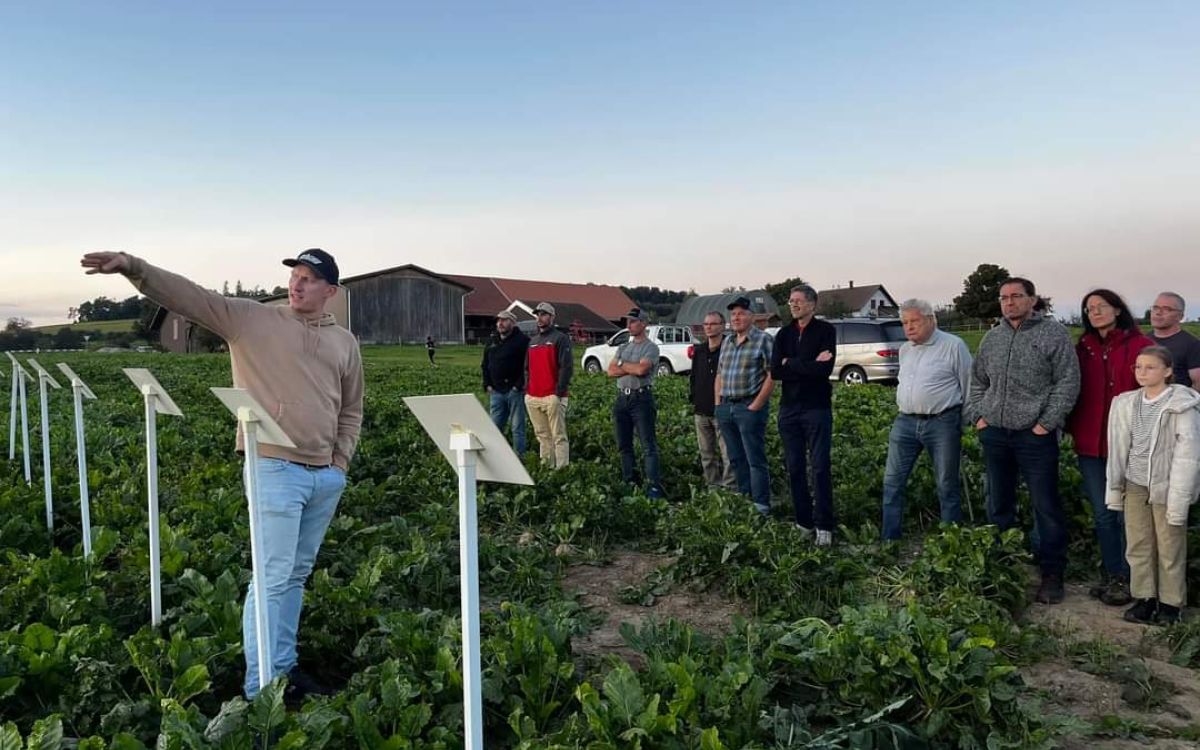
<point>675,344</point>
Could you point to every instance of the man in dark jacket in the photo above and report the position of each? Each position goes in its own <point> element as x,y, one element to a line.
<point>504,377</point>
<point>548,369</point>
<point>1023,385</point>
<point>701,380</point>
<point>802,360</point>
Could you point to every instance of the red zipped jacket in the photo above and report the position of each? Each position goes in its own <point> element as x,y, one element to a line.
<point>1105,370</point>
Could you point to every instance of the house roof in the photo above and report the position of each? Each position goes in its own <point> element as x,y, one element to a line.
<point>693,309</point>
<point>493,294</point>
<point>852,298</point>
<point>566,314</point>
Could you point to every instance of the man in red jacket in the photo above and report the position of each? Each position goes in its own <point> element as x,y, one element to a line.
<point>548,369</point>
<point>1107,349</point>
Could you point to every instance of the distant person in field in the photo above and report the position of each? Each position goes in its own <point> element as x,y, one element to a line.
<point>548,369</point>
<point>714,457</point>
<point>430,349</point>
<point>742,393</point>
<point>1166,316</point>
<point>634,409</point>
<point>306,370</point>
<point>934,379</point>
<point>1024,383</point>
<point>1107,351</point>
<point>504,377</point>
<point>802,360</point>
<point>1153,477</point>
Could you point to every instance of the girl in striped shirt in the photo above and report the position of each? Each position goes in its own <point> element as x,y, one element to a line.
<point>1153,475</point>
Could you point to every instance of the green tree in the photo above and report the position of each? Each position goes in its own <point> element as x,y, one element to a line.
<point>980,298</point>
<point>780,291</point>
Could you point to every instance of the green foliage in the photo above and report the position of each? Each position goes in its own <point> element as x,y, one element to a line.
<point>980,298</point>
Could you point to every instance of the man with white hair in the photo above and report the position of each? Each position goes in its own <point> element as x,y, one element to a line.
<point>935,377</point>
<point>1165,317</point>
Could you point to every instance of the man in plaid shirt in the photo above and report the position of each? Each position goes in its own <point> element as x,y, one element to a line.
<point>743,402</point>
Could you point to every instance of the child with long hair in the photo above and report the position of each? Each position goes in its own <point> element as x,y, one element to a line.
<point>1153,476</point>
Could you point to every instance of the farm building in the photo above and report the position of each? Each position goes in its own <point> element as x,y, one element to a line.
<point>582,323</point>
<point>691,312</point>
<point>871,301</point>
<point>493,294</point>
<point>400,305</point>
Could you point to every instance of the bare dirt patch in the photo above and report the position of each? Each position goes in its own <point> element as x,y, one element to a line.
<point>1118,689</point>
<point>602,590</point>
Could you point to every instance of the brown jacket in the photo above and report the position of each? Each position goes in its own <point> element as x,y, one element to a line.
<point>306,372</point>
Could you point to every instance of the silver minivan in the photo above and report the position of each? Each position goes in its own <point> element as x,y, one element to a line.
<point>868,349</point>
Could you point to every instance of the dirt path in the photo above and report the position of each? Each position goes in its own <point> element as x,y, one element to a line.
<point>1113,676</point>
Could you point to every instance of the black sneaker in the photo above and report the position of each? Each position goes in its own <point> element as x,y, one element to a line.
<point>301,685</point>
<point>1051,590</point>
<point>1166,615</point>
<point>1116,593</point>
<point>1142,611</point>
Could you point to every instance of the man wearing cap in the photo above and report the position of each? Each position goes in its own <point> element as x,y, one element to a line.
<point>306,371</point>
<point>743,402</point>
<point>633,367</point>
<point>504,377</point>
<point>548,369</point>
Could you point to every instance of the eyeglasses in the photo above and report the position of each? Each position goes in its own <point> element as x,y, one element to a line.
<point>713,323</point>
<point>1012,297</point>
<point>1160,310</point>
<point>1098,309</point>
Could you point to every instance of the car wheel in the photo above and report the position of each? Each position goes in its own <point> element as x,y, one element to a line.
<point>854,375</point>
<point>664,368</point>
<point>592,366</point>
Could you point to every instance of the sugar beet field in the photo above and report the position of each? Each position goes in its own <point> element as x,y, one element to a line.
<point>728,632</point>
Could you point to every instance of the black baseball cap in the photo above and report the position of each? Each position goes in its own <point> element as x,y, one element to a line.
<point>743,302</point>
<point>321,263</point>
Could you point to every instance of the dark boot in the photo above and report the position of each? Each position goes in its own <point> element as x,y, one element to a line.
<point>1097,591</point>
<point>1116,594</point>
<point>1166,615</point>
<point>1142,611</point>
<point>1051,590</point>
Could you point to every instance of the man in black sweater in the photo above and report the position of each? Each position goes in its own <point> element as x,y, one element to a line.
<point>504,377</point>
<point>802,360</point>
<point>701,379</point>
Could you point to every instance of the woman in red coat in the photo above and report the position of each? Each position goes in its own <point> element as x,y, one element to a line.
<point>1107,350</point>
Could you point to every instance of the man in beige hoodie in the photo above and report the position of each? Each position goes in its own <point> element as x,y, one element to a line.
<point>307,372</point>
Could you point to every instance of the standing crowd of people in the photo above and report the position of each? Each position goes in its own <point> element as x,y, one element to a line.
<point>1126,398</point>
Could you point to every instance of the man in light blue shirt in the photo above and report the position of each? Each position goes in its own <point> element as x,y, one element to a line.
<point>935,377</point>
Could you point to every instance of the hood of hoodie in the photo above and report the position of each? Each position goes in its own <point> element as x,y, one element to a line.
<point>1180,398</point>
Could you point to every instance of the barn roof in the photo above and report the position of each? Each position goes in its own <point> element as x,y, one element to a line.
<point>493,294</point>
<point>692,311</point>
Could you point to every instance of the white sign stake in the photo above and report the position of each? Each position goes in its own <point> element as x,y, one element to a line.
<point>46,379</point>
<point>20,375</point>
<point>80,391</point>
<point>13,387</point>
<point>258,427</point>
<point>478,451</point>
<point>157,402</point>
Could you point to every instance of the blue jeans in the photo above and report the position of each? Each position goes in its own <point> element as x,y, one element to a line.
<point>941,435</point>
<point>509,408</point>
<point>745,434</point>
<point>296,505</point>
<point>637,411</point>
<point>808,433</point>
<point>1009,453</point>
<point>1110,524</point>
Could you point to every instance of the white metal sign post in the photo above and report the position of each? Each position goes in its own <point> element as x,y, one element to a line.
<point>12,414</point>
<point>157,402</point>
<point>20,375</point>
<point>80,391</point>
<point>478,452</point>
<point>258,427</point>
<point>46,379</point>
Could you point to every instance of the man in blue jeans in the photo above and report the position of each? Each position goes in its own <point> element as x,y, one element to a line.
<point>802,359</point>
<point>935,375</point>
<point>1024,382</point>
<point>633,367</point>
<point>743,402</point>
<point>306,371</point>
<point>504,377</point>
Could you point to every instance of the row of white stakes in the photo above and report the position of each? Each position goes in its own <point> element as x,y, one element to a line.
<point>257,427</point>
